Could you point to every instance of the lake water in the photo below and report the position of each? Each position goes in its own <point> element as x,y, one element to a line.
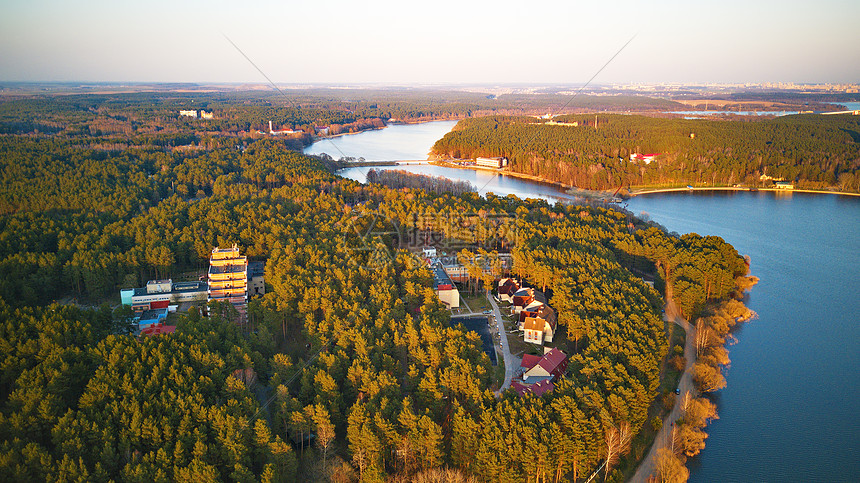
<point>397,142</point>
<point>484,181</point>
<point>789,410</point>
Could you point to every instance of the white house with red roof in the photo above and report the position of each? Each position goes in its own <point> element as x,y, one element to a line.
<point>539,373</point>
<point>507,288</point>
<point>644,158</point>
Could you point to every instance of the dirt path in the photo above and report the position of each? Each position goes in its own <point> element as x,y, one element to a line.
<point>664,437</point>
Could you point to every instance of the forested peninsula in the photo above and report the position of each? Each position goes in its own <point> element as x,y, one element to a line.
<point>602,152</point>
<point>350,343</point>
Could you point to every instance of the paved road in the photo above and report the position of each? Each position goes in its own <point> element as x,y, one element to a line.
<point>664,437</point>
<point>510,361</point>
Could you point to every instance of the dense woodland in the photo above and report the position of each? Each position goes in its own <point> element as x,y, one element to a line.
<point>348,368</point>
<point>814,151</point>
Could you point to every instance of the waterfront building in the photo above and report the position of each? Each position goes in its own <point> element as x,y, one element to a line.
<point>281,132</point>
<point>645,158</point>
<point>492,162</point>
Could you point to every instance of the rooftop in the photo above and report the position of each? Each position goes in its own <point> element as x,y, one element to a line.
<point>153,314</point>
<point>552,360</point>
<point>529,361</point>
<point>256,269</point>
<point>178,287</point>
<point>440,277</point>
<point>533,323</point>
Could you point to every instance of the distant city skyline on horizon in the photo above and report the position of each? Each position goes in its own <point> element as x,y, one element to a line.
<point>450,43</point>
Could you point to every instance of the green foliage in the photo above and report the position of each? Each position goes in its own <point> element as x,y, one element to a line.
<point>811,150</point>
<point>122,408</point>
<point>386,383</point>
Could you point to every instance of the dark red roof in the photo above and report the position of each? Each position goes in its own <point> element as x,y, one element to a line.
<point>553,360</point>
<point>158,329</point>
<point>540,388</point>
<point>526,313</point>
<point>508,287</point>
<point>529,361</point>
<point>519,387</point>
<point>522,300</point>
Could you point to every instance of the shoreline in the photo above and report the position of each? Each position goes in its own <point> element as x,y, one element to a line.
<point>730,188</point>
<point>647,467</point>
<point>598,194</point>
<point>513,174</point>
<point>387,124</point>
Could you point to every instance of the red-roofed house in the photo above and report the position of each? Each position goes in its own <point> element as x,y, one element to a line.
<point>507,288</point>
<point>522,298</point>
<point>540,372</point>
<point>529,361</point>
<point>552,364</point>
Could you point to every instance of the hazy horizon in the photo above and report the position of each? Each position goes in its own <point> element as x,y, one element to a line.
<point>448,43</point>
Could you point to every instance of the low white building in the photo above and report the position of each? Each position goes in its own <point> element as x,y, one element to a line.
<point>492,162</point>
<point>191,113</point>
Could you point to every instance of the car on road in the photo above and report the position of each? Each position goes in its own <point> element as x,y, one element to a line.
<point>488,311</point>
<point>677,390</point>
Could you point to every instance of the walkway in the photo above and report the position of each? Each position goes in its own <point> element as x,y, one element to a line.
<point>510,362</point>
<point>664,437</point>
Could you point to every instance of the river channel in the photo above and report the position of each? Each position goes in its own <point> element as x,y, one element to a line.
<point>789,410</point>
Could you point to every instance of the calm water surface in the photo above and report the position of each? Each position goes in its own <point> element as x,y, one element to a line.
<point>397,142</point>
<point>789,412</point>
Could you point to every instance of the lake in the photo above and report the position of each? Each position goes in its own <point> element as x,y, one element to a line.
<point>397,142</point>
<point>789,410</point>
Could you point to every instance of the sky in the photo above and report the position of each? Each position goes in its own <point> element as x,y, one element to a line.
<point>439,42</point>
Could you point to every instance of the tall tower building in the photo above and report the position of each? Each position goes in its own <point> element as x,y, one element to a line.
<point>228,278</point>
